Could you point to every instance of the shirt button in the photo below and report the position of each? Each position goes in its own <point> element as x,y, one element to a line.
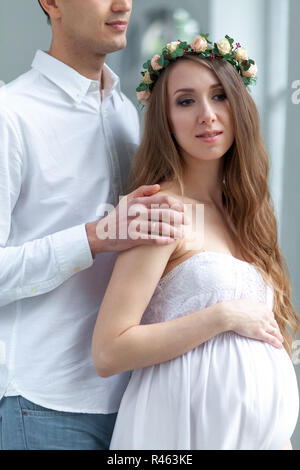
<point>76,270</point>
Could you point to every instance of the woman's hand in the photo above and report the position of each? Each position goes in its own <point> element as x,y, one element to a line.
<point>252,319</point>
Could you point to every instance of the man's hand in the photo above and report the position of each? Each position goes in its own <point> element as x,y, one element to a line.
<point>135,221</point>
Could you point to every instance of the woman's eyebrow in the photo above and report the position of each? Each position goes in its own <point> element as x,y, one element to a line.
<point>190,90</point>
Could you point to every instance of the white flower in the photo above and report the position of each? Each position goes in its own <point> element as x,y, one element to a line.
<point>147,79</point>
<point>224,46</point>
<point>241,54</point>
<point>199,44</point>
<point>172,46</point>
<point>250,72</point>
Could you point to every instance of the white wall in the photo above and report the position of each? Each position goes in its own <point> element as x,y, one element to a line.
<point>290,227</point>
<point>270,30</point>
<point>23,30</point>
<point>243,21</point>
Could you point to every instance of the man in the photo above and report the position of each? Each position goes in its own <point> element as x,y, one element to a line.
<point>67,135</point>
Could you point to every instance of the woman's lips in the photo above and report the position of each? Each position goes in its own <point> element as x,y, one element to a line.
<point>209,139</point>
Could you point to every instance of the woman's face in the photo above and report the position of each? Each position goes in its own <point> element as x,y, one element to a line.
<point>198,106</point>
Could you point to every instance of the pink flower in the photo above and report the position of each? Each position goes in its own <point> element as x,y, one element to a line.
<point>250,72</point>
<point>199,44</point>
<point>144,96</point>
<point>154,63</point>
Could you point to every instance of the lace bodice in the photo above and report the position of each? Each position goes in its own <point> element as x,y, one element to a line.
<point>202,280</point>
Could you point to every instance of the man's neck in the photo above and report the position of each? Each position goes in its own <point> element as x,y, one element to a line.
<point>87,65</point>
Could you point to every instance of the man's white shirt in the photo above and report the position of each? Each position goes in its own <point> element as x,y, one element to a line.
<point>63,153</point>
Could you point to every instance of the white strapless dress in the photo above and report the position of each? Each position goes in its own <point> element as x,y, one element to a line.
<point>231,392</point>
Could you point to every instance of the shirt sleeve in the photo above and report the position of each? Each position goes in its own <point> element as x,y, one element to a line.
<point>38,266</point>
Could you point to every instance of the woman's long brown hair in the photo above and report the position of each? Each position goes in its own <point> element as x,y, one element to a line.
<point>246,196</point>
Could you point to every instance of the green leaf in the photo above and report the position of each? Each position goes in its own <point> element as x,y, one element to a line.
<point>215,49</point>
<point>180,52</point>
<point>230,40</point>
<point>142,87</point>
<point>205,36</point>
<point>253,80</point>
<point>147,64</point>
<point>246,65</point>
<point>161,61</point>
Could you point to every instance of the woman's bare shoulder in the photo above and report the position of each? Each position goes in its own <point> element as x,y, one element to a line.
<point>171,189</point>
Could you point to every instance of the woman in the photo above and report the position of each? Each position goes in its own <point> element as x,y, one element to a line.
<point>199,324</point>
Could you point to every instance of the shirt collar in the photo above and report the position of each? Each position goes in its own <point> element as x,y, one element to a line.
<point>72,82</point>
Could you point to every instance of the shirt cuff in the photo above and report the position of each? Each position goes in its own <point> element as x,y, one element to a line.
<point>72,249</point>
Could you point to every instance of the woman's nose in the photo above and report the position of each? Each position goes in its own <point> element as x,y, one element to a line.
<point>206,113</point>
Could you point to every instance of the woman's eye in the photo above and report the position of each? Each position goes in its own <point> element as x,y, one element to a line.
<point>185,102</point>
<point>221,97</point>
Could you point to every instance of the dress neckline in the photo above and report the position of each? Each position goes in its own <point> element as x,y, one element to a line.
<point>204,252</point>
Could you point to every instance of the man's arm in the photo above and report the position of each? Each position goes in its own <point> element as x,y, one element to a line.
<point>38,266</point>
<point>42,265</point>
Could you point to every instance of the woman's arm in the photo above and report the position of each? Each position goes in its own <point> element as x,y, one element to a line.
<point>120,343</point>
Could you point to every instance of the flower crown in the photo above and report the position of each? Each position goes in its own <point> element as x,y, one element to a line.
<point>202,47</point>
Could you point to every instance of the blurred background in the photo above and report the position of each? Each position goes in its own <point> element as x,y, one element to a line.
<point>269,29</point>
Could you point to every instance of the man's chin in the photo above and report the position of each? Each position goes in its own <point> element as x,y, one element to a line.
<point>118,45</point>
<point>110,47</point>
